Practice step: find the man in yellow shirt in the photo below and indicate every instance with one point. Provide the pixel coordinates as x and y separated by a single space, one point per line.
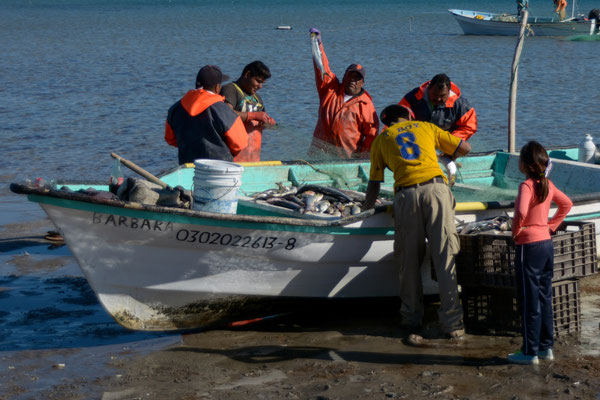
423 209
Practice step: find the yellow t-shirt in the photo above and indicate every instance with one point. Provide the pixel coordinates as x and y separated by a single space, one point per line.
409 149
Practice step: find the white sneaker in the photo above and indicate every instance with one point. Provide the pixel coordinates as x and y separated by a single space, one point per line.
520 358
547 354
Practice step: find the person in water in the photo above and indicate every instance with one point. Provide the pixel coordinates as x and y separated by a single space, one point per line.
521 5
347 123
560 6
201 125
440 102
242 96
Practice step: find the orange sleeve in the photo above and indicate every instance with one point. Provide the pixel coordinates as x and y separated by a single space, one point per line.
236 137
170 135
564 206
370 128
466 126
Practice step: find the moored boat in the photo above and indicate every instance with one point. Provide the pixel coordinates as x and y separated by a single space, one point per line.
162 268
486 23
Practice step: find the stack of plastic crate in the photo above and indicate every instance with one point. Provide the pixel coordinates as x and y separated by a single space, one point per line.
486 273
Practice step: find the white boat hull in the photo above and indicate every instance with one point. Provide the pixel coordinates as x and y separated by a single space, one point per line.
151 274
481 23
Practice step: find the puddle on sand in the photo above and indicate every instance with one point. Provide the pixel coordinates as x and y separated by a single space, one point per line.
589 338
46 303
40 370
52 328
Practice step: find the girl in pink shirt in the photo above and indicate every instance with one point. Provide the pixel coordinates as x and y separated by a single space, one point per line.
534 253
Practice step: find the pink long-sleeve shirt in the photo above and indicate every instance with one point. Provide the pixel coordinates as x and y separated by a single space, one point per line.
530 221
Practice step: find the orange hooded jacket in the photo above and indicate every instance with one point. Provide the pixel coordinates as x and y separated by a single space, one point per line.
201 125
344 129
456 116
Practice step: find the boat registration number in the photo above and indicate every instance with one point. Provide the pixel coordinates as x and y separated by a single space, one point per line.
226 239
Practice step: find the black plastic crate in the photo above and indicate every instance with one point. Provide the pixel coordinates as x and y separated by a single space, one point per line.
488 259
496 310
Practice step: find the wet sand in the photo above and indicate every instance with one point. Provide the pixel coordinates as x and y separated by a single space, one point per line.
57 342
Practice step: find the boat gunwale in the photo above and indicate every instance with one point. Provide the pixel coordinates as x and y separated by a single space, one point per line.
84 198
578 199
536 20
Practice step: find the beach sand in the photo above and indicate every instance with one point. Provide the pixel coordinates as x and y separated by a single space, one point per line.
355 352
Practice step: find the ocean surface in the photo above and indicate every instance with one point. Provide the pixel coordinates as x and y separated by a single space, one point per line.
82 78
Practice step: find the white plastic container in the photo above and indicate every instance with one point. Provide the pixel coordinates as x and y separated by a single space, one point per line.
587 150
216 186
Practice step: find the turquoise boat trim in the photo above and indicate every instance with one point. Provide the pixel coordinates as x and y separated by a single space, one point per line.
190 220
570 154
581 217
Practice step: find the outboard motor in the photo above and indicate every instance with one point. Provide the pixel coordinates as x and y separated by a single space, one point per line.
594 15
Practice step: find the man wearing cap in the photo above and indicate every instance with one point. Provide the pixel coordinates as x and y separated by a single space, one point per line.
242 96
423 208
201 125
347 122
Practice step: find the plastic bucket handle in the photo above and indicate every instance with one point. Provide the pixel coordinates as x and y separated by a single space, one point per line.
209 196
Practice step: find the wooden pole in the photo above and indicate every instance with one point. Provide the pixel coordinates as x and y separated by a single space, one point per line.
136 168
512 102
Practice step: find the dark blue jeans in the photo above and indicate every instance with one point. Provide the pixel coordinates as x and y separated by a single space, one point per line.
534 264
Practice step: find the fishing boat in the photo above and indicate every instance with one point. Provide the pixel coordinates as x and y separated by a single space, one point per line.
486 23
165 268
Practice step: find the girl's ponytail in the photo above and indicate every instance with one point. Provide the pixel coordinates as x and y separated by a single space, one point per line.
542 189
537 166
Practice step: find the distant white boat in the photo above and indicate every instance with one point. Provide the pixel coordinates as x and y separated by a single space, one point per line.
485 23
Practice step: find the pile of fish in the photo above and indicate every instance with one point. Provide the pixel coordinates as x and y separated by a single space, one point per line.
500 223
314 199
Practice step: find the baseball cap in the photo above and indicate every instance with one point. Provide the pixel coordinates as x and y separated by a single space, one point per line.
356 68
209 76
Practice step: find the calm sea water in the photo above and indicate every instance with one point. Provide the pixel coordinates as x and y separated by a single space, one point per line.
82 78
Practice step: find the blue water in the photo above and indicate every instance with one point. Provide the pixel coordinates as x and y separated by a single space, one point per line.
82 78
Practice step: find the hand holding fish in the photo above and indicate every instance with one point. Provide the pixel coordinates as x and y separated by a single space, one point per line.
261 116
316 33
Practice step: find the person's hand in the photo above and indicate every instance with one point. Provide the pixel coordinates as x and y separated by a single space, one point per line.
317 33
261 116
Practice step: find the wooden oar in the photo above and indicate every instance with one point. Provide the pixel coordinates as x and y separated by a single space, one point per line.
139 170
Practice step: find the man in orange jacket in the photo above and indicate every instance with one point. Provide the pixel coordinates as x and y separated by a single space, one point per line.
347 122
201 125
439 101
242 95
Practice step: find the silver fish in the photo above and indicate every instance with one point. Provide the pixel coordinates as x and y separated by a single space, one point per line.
326 190
316 52
284 203
282 191
311 199
322 206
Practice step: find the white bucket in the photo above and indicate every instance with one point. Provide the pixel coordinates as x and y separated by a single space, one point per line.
216 186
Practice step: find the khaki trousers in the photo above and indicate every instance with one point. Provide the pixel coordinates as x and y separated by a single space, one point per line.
427 212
